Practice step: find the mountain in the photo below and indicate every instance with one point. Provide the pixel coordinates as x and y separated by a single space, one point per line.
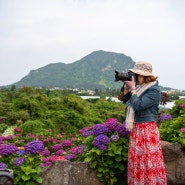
95 70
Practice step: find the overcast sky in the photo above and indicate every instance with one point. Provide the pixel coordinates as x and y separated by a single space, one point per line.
34 33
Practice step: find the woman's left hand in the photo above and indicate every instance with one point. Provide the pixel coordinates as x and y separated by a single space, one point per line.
131 84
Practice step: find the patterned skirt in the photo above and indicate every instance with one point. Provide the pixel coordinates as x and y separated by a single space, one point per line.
145 159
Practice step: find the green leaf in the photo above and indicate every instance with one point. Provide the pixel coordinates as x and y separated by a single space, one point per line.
121 167
118 158
110 153
25 177
87 159
99 174
39 180
93 164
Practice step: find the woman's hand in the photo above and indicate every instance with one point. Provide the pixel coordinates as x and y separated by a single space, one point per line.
131 84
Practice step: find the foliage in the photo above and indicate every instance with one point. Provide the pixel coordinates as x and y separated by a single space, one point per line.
107 152
172 125
26 166
56 109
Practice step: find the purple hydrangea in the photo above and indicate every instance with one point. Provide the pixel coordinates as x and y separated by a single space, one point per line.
56 147
99 129
121 129
101 142
70 156
45 152
85 129
7 149
18 161
60 152
81 148
2 138
66 143
34 147
3 165
46 162
73 149
88 133
164 117
115 137
111 124
9 137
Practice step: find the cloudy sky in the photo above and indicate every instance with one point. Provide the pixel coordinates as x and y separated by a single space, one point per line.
34 33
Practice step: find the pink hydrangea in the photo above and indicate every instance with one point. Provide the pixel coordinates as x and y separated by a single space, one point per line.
183 129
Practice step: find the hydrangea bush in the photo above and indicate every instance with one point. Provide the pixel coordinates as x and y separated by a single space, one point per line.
104 145
172 124
106 149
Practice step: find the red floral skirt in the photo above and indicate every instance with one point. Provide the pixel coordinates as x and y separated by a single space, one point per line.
145 159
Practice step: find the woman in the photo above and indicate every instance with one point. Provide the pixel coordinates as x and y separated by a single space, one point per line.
145 159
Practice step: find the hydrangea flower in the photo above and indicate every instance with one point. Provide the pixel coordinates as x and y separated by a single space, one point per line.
182 105
101 142
60 152
121 129
46 162
183 129
66 143
164 117
2 138
34 147
74 149
17 130
18 161
85 129
111 124
56 147
70 156
20 152
7 149
115 137
99 129
87 133
3 165
45 152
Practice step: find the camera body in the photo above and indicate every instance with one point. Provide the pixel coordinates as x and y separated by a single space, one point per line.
125 76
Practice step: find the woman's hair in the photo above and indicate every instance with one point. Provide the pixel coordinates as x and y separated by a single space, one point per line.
148 79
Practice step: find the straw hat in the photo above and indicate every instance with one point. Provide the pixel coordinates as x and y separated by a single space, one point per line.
142 68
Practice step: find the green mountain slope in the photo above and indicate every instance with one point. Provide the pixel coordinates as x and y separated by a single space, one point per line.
95 70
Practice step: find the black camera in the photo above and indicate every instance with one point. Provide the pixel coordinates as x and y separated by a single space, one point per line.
125 76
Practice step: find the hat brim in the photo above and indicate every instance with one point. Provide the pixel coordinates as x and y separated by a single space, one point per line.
140 72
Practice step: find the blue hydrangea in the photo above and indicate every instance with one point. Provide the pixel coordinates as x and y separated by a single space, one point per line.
101 142
88 133
70 156
18 161
34 147
7 149
121 129
99 129
164 117
3 165
20 152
